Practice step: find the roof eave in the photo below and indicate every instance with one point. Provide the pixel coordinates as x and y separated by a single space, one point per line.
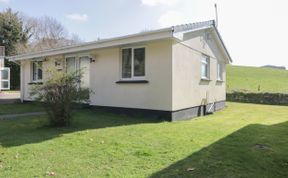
118 41
222 43
178 35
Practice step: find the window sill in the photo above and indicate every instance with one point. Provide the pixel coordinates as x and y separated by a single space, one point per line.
35 83
206 79
131 81
220 81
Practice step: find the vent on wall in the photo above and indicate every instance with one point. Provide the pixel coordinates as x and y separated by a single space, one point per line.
59 64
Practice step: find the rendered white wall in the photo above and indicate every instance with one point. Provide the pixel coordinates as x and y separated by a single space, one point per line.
105 71
155 95
188 88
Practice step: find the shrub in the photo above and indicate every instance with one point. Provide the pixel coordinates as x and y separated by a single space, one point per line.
58 94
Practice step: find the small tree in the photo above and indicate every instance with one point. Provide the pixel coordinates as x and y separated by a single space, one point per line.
12 33
46 33
58 94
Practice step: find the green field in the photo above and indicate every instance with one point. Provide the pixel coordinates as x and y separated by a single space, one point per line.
255 79
244 140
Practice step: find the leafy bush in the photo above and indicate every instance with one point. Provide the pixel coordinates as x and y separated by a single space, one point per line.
59 93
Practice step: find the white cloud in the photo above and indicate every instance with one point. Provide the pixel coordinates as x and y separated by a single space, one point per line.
77 17
171 18
159 2
5 1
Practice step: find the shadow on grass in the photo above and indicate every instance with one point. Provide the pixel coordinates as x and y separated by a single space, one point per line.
35 129
254 151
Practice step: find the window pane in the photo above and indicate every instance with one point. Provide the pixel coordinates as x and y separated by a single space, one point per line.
85 69
70 64
126 63
204 71
220 71
34 71
39 70
205 67
4 85
4 74
204 61
139 62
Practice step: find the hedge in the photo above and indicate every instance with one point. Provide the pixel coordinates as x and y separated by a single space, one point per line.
259 98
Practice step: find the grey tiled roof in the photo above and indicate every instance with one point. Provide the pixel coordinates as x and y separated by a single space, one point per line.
199 25
191 26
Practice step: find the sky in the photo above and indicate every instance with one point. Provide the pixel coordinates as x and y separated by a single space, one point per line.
254 31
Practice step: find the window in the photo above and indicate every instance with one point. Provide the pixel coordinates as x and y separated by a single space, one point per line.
84 66
205 67
126 63
220 71
71 64
133 63
37 71
4 78
139 62
75 65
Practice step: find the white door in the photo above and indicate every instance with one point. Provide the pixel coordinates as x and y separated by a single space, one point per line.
5 79
84 66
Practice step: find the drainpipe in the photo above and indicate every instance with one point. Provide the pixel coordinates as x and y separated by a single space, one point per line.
2 54
21 83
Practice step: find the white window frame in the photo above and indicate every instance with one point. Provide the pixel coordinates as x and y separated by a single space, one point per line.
220 71
78 64
76 61
83 56
32 72
132 63
205 60
5 80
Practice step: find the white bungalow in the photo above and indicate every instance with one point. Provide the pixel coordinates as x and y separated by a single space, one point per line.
175 73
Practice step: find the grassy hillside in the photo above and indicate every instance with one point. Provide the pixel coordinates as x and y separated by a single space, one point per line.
249 79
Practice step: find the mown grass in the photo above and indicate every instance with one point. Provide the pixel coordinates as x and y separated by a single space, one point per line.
256 79
101 144
19 108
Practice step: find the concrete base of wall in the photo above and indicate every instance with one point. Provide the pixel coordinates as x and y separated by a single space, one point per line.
180 115
153 114
184 114
189 113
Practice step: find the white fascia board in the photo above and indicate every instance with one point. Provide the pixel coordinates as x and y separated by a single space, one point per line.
118 41
180 35
221 44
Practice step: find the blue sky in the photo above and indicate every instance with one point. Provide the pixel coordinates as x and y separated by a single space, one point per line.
91 19
255 32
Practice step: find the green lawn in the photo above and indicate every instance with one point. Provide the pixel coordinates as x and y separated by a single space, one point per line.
101 144
249 79
20 108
